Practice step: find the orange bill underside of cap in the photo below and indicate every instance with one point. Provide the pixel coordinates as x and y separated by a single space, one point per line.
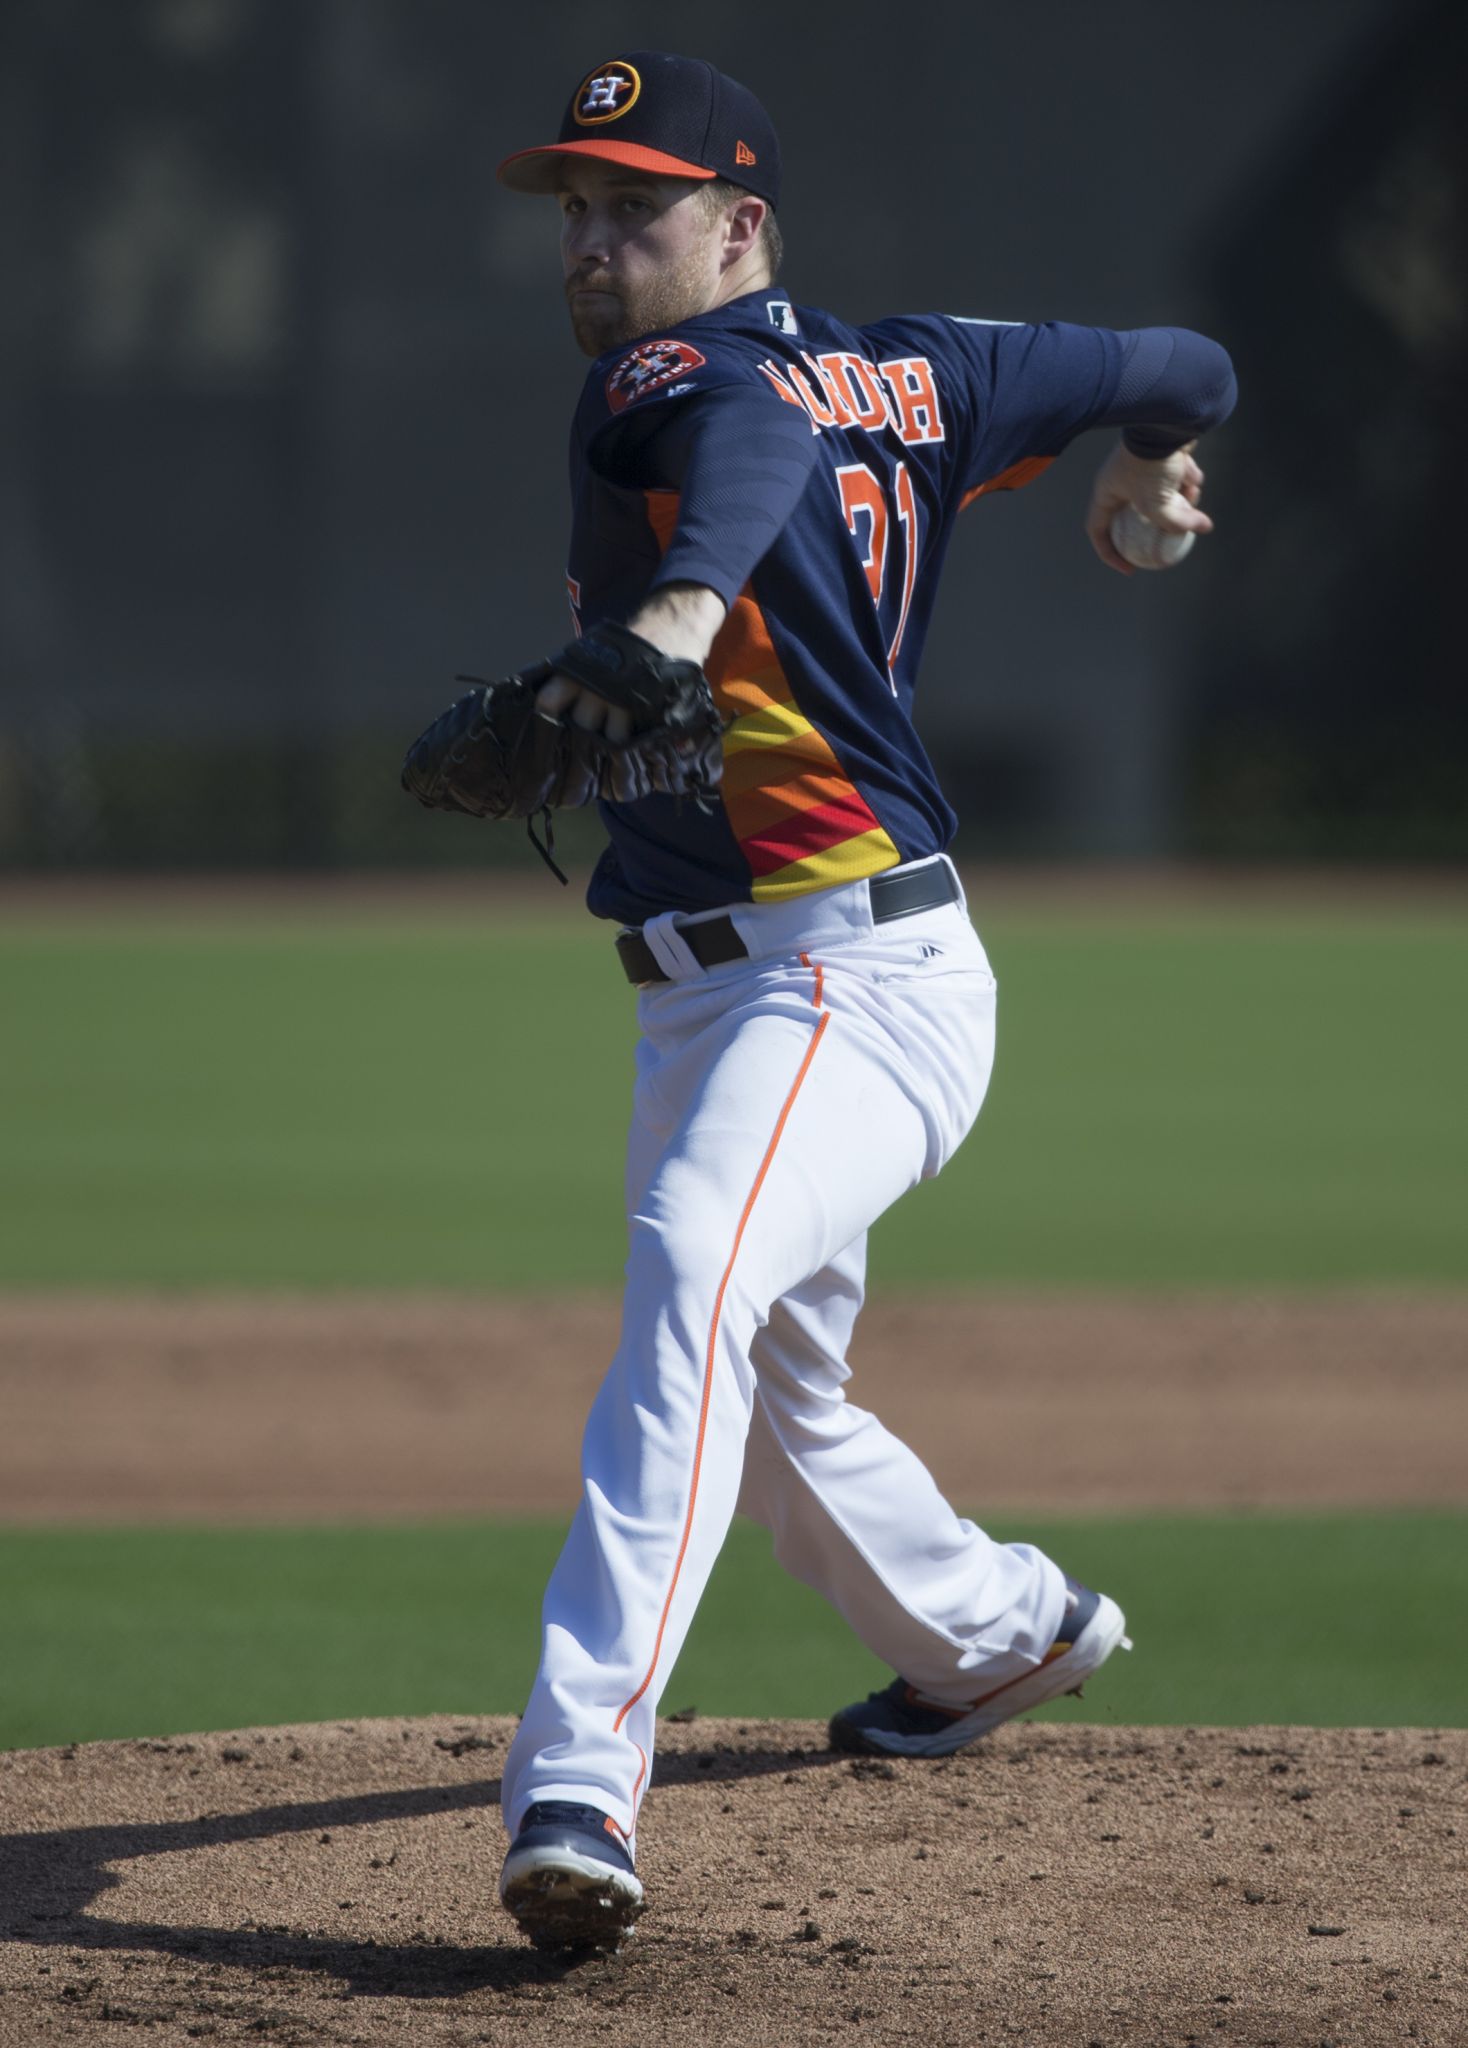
535 170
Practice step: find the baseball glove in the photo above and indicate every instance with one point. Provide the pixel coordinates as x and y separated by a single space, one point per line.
492 754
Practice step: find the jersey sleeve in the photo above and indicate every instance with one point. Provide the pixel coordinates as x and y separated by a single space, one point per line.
1024 392
720 437
1175 385
1030 390
740 461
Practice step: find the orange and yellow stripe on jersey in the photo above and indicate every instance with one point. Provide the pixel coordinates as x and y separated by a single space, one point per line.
800 821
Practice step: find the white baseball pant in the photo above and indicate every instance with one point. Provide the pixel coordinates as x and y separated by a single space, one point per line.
782 1103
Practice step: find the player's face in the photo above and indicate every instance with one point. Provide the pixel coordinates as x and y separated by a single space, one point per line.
638 252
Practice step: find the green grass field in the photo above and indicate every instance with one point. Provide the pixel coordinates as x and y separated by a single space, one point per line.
441 1102
1331 1620
411 1101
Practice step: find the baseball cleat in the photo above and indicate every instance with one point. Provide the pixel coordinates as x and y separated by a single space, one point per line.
568 1879
899 1721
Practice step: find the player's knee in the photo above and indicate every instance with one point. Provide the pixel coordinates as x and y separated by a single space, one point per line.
694 1267
674 1257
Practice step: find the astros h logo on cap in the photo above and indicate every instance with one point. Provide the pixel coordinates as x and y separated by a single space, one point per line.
606 93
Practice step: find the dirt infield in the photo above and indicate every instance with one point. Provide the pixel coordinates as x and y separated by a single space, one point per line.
1060 1886
327 1408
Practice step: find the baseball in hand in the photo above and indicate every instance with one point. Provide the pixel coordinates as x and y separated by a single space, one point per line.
1144 545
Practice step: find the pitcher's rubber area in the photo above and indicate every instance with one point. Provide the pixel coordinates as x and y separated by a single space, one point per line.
337 1884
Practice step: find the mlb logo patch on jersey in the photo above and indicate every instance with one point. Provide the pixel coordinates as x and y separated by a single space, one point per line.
647 368
607 93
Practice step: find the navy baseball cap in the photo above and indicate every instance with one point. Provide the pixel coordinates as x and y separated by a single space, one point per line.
656 112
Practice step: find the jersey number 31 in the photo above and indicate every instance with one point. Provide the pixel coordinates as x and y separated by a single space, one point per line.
869 520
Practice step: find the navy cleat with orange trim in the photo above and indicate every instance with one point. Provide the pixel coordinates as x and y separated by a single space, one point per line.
569 1879
899 1721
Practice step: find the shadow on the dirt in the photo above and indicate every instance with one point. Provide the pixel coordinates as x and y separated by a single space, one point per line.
50 1881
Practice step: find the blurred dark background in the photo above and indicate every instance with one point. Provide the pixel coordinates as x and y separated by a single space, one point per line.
285 381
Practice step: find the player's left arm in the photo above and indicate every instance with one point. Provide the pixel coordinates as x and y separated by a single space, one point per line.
739 459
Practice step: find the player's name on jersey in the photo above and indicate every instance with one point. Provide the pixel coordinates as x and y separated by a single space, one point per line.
843 389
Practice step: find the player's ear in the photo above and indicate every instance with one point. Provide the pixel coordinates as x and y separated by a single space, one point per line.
742 227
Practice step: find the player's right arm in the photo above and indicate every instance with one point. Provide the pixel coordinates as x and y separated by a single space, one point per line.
1175 385
1164 489
1030 390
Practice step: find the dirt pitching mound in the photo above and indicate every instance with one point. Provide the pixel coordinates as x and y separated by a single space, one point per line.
1058 1885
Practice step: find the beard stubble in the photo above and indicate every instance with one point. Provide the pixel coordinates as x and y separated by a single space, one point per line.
670 295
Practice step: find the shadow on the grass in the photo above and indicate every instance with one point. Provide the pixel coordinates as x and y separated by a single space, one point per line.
50 1881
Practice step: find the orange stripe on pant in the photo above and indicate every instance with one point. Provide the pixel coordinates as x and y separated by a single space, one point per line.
708 1366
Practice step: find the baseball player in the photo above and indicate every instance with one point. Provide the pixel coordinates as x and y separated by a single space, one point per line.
764 495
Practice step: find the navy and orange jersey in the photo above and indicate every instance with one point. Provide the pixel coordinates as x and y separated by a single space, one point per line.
811 473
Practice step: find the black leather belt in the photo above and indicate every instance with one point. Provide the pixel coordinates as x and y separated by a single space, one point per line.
713 942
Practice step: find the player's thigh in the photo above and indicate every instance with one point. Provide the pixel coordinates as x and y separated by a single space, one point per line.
648 1130
800 1371
799 1354
796 1131
924 987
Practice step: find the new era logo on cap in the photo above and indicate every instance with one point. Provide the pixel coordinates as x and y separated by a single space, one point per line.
743 154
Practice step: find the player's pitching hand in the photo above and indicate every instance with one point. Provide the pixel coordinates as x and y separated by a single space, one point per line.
590 712
1166 492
